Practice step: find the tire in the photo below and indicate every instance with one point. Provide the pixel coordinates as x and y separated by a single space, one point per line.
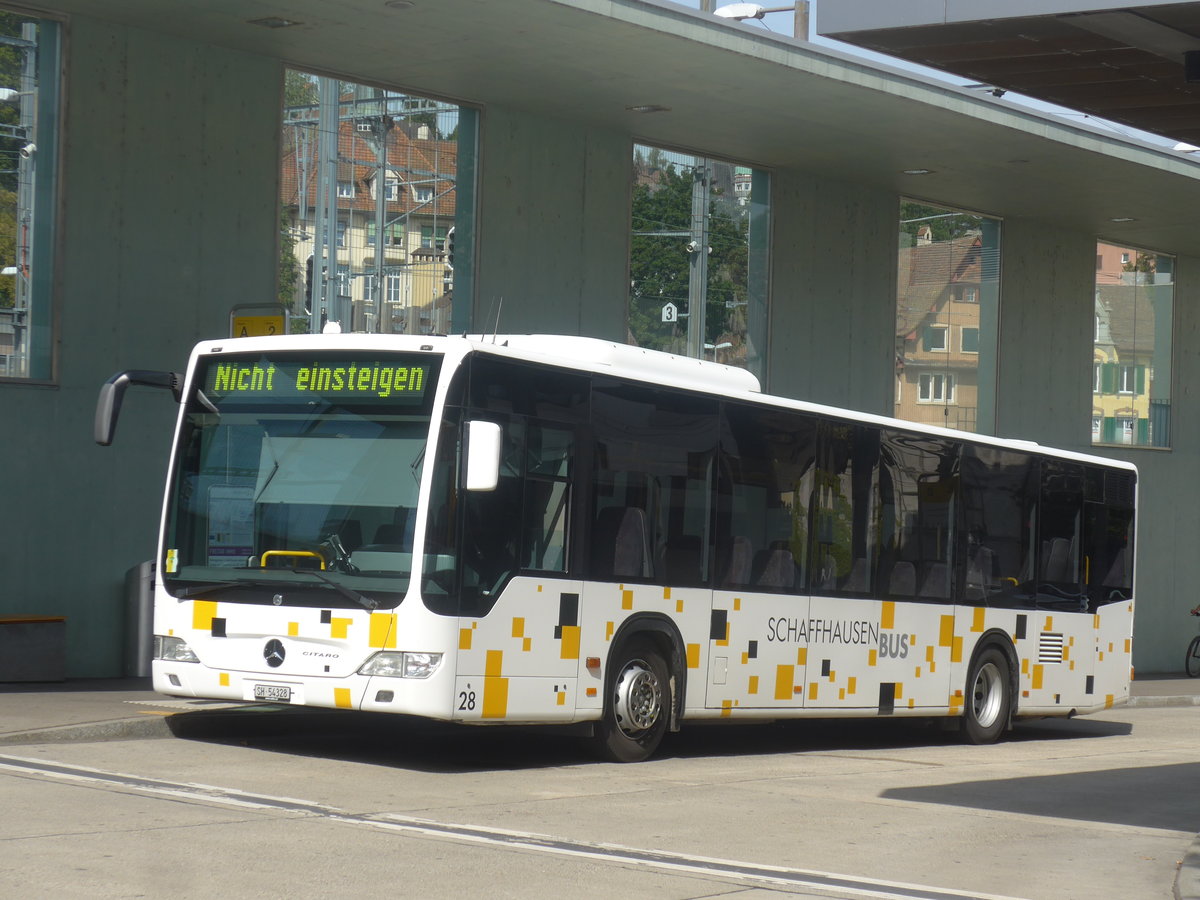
988 698
636 705
1191 663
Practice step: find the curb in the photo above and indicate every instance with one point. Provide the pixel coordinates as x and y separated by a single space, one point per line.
112 730
1187 880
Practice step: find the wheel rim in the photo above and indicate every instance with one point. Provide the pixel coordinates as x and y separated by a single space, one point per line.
638 699
987 693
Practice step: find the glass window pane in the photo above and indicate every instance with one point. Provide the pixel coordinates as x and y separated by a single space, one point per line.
846 514
654 468
359 162
1060 551
919 486
29 67
948 282
699 238
1131 388
769 466
999 514
1108 536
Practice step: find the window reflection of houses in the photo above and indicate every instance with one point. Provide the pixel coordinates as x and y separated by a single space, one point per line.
1131 356
409 289
937 329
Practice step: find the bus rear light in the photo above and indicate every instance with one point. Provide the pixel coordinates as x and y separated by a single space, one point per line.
404 664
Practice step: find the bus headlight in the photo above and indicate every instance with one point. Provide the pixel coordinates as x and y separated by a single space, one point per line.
402 664
173 649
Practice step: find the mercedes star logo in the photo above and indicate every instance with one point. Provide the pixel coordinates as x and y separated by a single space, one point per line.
274 653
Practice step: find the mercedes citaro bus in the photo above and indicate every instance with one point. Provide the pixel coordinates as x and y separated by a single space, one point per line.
546 529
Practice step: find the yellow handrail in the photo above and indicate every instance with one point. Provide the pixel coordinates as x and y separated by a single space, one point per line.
308 554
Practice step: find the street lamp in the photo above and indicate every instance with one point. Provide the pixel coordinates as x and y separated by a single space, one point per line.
743 11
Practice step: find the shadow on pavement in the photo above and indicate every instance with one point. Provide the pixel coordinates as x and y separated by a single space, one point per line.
423 745
1149 797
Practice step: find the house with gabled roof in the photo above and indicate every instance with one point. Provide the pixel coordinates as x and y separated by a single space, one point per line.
937 330
405 285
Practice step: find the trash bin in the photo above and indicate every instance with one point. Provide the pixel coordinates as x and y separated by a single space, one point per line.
139 619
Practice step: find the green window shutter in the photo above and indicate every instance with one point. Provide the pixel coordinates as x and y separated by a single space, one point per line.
1108 434
1108 381
1140 377
1143 429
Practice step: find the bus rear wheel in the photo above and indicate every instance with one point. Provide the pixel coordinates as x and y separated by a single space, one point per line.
636 705
989 697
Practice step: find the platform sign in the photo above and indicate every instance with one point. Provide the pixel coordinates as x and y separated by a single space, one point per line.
670 313
258 320
254 326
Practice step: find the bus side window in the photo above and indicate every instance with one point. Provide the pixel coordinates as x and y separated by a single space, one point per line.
999 514
847 510
920 487
768 462
1060 526
1108 536
655 454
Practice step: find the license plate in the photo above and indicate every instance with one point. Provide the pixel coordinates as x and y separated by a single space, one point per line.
276 692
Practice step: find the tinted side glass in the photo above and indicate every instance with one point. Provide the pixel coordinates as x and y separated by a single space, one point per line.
1108 536
999 503
768 472
654 468
919 479
846 510
504 386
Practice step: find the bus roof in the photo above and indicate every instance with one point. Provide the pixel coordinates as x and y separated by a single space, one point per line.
598 355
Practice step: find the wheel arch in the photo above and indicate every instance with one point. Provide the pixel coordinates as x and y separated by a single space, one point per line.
666 637
1001 640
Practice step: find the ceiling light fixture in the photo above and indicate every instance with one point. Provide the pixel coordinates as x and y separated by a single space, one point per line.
399 4
1122 219
648 108
917 172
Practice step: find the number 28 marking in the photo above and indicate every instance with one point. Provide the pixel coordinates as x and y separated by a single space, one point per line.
466 700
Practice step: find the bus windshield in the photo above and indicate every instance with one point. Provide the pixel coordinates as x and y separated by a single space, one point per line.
296 478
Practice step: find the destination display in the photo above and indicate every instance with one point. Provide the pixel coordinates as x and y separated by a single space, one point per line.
395 380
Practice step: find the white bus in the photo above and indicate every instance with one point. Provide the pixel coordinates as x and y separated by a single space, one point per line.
544 529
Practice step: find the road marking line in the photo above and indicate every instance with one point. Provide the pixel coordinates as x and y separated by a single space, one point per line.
682 863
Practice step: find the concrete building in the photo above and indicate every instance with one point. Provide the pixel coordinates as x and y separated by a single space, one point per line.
155 208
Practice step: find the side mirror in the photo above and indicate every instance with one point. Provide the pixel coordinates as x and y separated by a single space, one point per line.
112 392
484 441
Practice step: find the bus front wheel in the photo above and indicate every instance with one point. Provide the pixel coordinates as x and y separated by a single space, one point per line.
636 705
988 702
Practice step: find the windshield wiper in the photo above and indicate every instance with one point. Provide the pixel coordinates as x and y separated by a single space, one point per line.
361 599
198 589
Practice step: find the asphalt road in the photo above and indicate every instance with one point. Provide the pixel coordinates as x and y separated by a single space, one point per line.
340 806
